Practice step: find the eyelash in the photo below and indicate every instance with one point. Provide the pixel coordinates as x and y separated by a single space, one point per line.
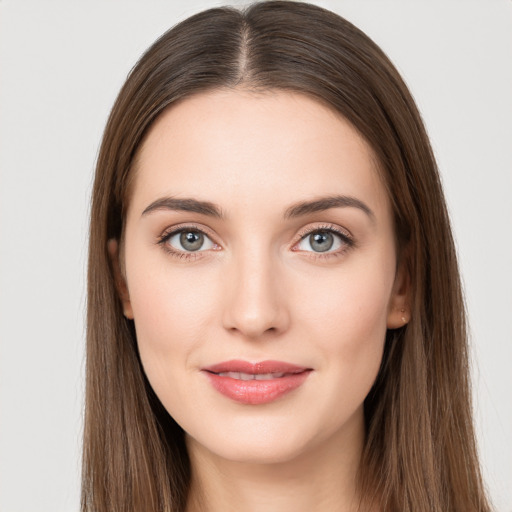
345 238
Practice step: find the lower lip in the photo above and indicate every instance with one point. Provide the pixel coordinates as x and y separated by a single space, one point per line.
255 392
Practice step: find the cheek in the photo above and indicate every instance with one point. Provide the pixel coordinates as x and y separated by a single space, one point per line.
168 307
173 312
347 319
349 304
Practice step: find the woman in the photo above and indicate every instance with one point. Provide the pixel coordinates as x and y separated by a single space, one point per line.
270 323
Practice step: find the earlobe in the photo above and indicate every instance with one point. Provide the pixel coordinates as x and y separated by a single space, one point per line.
398 317
399 313
122 289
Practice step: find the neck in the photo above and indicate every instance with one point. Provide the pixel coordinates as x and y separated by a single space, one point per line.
321 478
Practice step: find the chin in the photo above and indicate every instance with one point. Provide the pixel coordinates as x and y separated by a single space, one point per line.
258 443
257 451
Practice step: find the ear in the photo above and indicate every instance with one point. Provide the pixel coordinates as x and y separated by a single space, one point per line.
399 312
122 289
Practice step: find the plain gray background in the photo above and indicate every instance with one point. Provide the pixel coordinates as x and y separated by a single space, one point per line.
61 66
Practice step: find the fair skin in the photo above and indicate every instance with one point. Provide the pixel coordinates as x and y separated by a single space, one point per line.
254 284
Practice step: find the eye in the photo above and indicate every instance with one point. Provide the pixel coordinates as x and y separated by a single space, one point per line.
189 240
324 241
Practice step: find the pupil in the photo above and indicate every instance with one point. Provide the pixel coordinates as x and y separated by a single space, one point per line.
191 240
321 241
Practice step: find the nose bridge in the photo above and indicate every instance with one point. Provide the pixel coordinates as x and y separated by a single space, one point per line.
255 302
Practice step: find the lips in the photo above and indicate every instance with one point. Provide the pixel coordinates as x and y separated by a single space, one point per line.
255 383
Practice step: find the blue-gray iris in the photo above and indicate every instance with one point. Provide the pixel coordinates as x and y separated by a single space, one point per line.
321 241
191 240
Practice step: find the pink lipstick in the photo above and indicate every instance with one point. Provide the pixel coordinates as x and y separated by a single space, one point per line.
257 383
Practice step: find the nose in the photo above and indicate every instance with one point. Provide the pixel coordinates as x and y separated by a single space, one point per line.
254 298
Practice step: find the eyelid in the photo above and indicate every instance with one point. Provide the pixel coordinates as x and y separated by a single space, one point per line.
310 228
183 226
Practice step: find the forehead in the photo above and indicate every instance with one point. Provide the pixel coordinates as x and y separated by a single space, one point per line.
239 147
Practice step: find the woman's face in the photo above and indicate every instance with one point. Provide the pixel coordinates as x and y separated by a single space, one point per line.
259 241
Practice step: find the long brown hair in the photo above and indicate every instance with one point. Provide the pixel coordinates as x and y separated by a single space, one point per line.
420 451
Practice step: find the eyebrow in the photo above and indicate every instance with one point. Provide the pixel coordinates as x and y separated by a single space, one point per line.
295 210
186 205
326 203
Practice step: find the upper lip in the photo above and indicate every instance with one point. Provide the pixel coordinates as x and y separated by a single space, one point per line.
255 368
